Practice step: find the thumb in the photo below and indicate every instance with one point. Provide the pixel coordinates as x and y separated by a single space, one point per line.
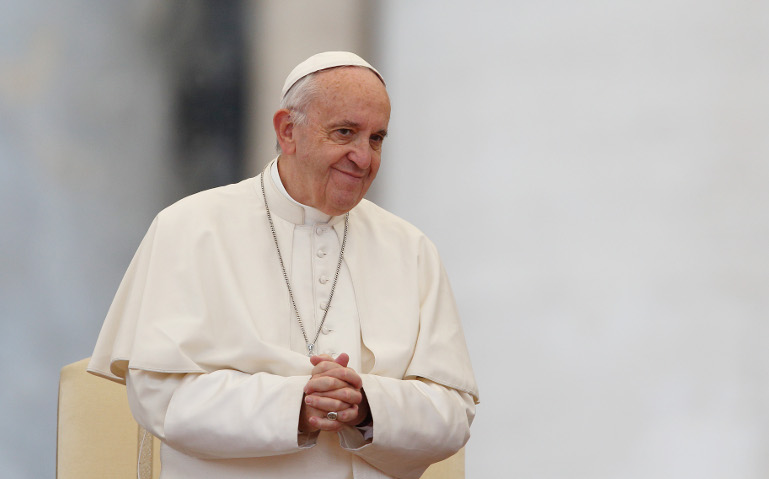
342 359
315 360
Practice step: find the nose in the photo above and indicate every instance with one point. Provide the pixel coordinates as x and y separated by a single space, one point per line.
361 154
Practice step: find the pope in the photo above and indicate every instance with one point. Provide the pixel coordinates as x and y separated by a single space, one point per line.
285 326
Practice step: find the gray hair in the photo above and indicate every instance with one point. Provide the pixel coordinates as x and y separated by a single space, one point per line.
297 101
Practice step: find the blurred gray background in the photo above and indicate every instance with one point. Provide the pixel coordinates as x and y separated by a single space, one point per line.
595 175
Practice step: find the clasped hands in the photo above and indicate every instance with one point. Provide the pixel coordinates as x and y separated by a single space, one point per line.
332 387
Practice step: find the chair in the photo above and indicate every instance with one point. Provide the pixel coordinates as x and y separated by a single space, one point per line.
98 438
449 468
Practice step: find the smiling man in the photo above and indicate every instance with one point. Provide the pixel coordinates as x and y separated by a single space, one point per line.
286 327
332 154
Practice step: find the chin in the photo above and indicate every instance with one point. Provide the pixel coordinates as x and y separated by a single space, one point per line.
339 210
345 200
343 207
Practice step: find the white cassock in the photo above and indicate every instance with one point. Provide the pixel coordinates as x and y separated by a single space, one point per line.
215 360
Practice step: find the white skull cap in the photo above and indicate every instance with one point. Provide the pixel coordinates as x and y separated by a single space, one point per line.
324 61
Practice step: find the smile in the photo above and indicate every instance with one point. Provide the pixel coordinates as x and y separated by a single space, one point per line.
357 176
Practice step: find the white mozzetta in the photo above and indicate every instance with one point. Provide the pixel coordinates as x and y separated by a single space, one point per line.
204 297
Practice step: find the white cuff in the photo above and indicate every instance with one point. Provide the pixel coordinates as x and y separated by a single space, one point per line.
354 438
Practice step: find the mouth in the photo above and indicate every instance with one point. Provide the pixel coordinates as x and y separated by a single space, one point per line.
352 174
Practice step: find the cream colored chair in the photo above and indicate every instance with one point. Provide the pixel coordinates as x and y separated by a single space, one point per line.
451 468
98 438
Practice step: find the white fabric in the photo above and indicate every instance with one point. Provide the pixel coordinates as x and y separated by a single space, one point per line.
349 324
205 411
323 61
196 415
204 296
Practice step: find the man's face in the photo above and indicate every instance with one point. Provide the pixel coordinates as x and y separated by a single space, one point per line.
338 149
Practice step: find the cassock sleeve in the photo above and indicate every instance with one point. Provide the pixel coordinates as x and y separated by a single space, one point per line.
416 423
220 415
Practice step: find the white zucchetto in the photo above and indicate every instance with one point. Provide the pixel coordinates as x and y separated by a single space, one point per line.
323 61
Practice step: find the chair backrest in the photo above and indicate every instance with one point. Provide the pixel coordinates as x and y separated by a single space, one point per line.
97 437
450 468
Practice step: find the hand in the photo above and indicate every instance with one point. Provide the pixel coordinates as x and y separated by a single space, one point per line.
333 387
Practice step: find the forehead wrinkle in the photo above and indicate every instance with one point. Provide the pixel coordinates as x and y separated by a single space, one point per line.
344 93
350 123
339 83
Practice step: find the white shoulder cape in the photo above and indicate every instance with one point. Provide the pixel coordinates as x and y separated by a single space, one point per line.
204 292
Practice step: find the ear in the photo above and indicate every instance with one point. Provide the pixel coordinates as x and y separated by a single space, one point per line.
284 131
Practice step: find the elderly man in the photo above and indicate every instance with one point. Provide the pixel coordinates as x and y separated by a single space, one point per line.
286 327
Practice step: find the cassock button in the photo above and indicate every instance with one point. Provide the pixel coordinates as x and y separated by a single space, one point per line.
323 279
320 230
326 330
321 253
324 305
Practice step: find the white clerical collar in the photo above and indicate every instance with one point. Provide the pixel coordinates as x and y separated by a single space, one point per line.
311 215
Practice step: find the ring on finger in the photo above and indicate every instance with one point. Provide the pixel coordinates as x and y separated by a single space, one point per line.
333 415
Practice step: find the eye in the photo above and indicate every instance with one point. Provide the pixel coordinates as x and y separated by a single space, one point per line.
344 131
376 141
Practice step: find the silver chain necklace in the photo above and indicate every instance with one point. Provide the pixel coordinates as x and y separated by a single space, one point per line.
310 345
